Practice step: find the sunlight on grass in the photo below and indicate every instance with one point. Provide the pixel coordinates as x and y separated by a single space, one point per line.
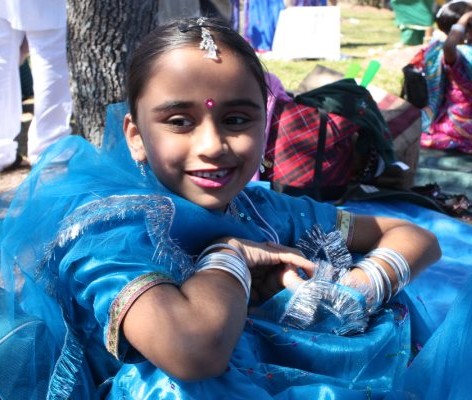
363 32
366 33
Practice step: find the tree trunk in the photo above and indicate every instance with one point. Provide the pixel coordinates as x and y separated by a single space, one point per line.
101 37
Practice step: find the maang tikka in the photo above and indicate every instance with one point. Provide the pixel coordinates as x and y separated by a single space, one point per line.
207 42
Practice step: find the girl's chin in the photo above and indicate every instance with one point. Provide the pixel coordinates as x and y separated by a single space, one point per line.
211 198
210 202
214 206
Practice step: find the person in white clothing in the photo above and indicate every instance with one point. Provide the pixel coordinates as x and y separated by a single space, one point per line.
43 24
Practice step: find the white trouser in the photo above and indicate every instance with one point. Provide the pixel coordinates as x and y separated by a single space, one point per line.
52 98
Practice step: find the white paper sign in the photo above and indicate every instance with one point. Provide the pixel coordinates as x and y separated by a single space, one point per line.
308 32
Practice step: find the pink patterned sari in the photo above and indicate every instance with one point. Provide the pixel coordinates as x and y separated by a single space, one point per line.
447 120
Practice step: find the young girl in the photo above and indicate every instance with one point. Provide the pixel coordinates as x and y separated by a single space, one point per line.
447 120
152 267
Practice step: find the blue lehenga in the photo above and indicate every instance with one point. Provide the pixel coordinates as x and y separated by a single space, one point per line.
87 233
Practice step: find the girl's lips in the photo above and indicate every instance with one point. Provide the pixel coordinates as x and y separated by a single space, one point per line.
211 179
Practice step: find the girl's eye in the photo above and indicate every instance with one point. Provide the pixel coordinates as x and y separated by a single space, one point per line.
236 120
179 122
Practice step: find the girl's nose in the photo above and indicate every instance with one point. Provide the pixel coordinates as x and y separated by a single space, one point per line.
210 142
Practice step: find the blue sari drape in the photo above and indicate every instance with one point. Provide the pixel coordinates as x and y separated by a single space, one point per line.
86 224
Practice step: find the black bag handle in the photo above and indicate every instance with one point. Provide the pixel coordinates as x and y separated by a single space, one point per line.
320 148
315 190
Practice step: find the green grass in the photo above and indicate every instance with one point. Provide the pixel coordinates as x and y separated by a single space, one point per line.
365 33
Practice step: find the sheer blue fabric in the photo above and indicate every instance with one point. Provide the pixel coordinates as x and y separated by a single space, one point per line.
86 225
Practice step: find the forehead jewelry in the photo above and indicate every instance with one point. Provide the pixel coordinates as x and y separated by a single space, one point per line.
207 42
210 103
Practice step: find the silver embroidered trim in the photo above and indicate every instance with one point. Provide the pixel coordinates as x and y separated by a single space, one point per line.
326 306
330 247
64 377
321 303
159 214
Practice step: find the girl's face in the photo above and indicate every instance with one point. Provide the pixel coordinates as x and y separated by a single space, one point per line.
200 125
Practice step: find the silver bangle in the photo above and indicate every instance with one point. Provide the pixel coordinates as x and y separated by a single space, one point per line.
387 284
397 262
458 28
233 264
217 246
377 281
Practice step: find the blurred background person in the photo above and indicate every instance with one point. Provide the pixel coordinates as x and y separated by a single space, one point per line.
414 18
447 64
43 25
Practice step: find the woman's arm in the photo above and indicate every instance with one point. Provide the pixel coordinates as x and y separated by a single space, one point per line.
455 37
191 331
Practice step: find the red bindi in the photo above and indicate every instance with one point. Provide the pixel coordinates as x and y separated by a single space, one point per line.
210 103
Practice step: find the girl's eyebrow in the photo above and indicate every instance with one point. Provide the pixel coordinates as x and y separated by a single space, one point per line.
243 102
173 105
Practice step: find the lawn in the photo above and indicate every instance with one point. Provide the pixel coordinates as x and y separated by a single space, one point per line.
367 33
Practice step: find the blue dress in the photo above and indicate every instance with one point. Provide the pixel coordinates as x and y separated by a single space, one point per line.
90 236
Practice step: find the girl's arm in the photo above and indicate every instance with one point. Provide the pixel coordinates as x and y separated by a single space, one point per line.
455 37
418 246
191 331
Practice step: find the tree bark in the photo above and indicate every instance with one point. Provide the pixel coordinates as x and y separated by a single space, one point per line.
101 37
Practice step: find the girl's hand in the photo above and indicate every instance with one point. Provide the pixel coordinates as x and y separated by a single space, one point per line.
273 266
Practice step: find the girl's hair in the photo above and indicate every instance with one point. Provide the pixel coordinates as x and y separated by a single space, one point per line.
450 13
179 34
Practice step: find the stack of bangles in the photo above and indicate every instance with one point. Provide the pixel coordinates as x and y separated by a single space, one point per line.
234 264
378 277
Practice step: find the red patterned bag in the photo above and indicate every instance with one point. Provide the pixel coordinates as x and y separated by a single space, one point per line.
297 160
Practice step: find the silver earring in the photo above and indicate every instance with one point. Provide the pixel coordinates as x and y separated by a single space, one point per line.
264 164
142 169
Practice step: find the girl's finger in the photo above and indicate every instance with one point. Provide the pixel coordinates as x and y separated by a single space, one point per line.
290 279
297 261
291 256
